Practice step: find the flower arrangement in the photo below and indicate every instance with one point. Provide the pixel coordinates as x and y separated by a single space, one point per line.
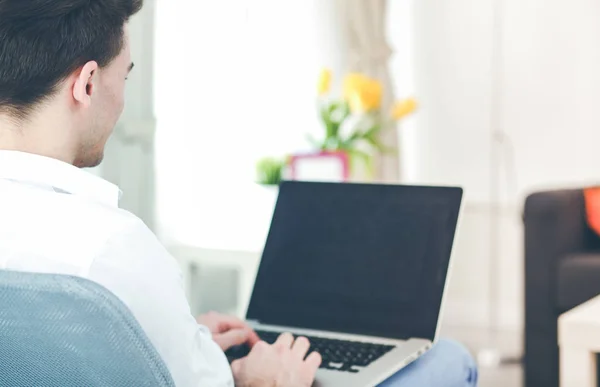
353 124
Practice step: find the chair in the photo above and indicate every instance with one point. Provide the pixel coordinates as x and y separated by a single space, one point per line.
562 271
63 331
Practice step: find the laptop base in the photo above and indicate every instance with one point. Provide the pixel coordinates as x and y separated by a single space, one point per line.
335 374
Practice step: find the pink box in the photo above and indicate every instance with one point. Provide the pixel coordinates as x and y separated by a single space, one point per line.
322 166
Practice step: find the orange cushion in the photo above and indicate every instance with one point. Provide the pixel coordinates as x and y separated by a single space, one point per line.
592 207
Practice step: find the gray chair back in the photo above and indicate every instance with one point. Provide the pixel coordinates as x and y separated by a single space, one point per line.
65 331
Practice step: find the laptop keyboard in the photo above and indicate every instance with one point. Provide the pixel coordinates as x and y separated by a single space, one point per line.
338 355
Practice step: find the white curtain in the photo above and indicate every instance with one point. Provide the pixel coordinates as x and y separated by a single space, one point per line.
129 156
354 39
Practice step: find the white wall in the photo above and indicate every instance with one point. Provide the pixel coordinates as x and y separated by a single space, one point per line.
551 92
451 60
550 110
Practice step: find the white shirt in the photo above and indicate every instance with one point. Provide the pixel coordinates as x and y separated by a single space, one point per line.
56 218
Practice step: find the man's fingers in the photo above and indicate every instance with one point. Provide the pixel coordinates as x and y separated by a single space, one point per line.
226 323
236 365
260 347
300 347
313 362
253 338
284 341
231 338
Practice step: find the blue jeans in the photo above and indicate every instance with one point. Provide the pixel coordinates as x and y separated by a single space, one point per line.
448 364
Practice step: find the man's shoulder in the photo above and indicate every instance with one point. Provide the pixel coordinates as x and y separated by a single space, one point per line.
117 220
123 230
95 225
131 245
102 217
65 233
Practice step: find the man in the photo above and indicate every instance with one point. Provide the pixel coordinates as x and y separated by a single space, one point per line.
63 67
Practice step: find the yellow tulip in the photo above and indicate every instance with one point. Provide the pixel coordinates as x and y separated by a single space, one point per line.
362 93
366 99
324 81
352 83
403 108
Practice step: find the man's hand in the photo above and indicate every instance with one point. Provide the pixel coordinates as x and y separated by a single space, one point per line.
279 365
228 331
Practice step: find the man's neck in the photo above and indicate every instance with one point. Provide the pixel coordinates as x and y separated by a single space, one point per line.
37 135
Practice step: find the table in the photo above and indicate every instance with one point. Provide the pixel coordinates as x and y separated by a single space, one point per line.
193 258
579 342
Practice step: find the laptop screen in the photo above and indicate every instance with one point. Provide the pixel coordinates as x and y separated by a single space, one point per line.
357 258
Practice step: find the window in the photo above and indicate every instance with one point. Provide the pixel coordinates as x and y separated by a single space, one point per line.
234 81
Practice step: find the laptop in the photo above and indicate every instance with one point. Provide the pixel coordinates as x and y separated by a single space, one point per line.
358 269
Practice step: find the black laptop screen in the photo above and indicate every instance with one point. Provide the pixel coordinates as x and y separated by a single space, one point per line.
357 258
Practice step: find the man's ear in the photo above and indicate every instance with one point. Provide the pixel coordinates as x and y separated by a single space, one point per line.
85 83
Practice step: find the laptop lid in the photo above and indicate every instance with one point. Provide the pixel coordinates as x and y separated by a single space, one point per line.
364 259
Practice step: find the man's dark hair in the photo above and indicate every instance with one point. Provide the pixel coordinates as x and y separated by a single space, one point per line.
44 41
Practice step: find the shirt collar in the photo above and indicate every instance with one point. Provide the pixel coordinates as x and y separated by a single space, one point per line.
58 175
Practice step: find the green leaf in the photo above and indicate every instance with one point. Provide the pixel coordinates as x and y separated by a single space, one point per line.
313 142
325 116
337 112
381 147
334 143
371 137
335 129
333 114
373 142
356 136
357 155
345 108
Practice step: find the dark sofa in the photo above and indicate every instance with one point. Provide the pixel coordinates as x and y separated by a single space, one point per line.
562 270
